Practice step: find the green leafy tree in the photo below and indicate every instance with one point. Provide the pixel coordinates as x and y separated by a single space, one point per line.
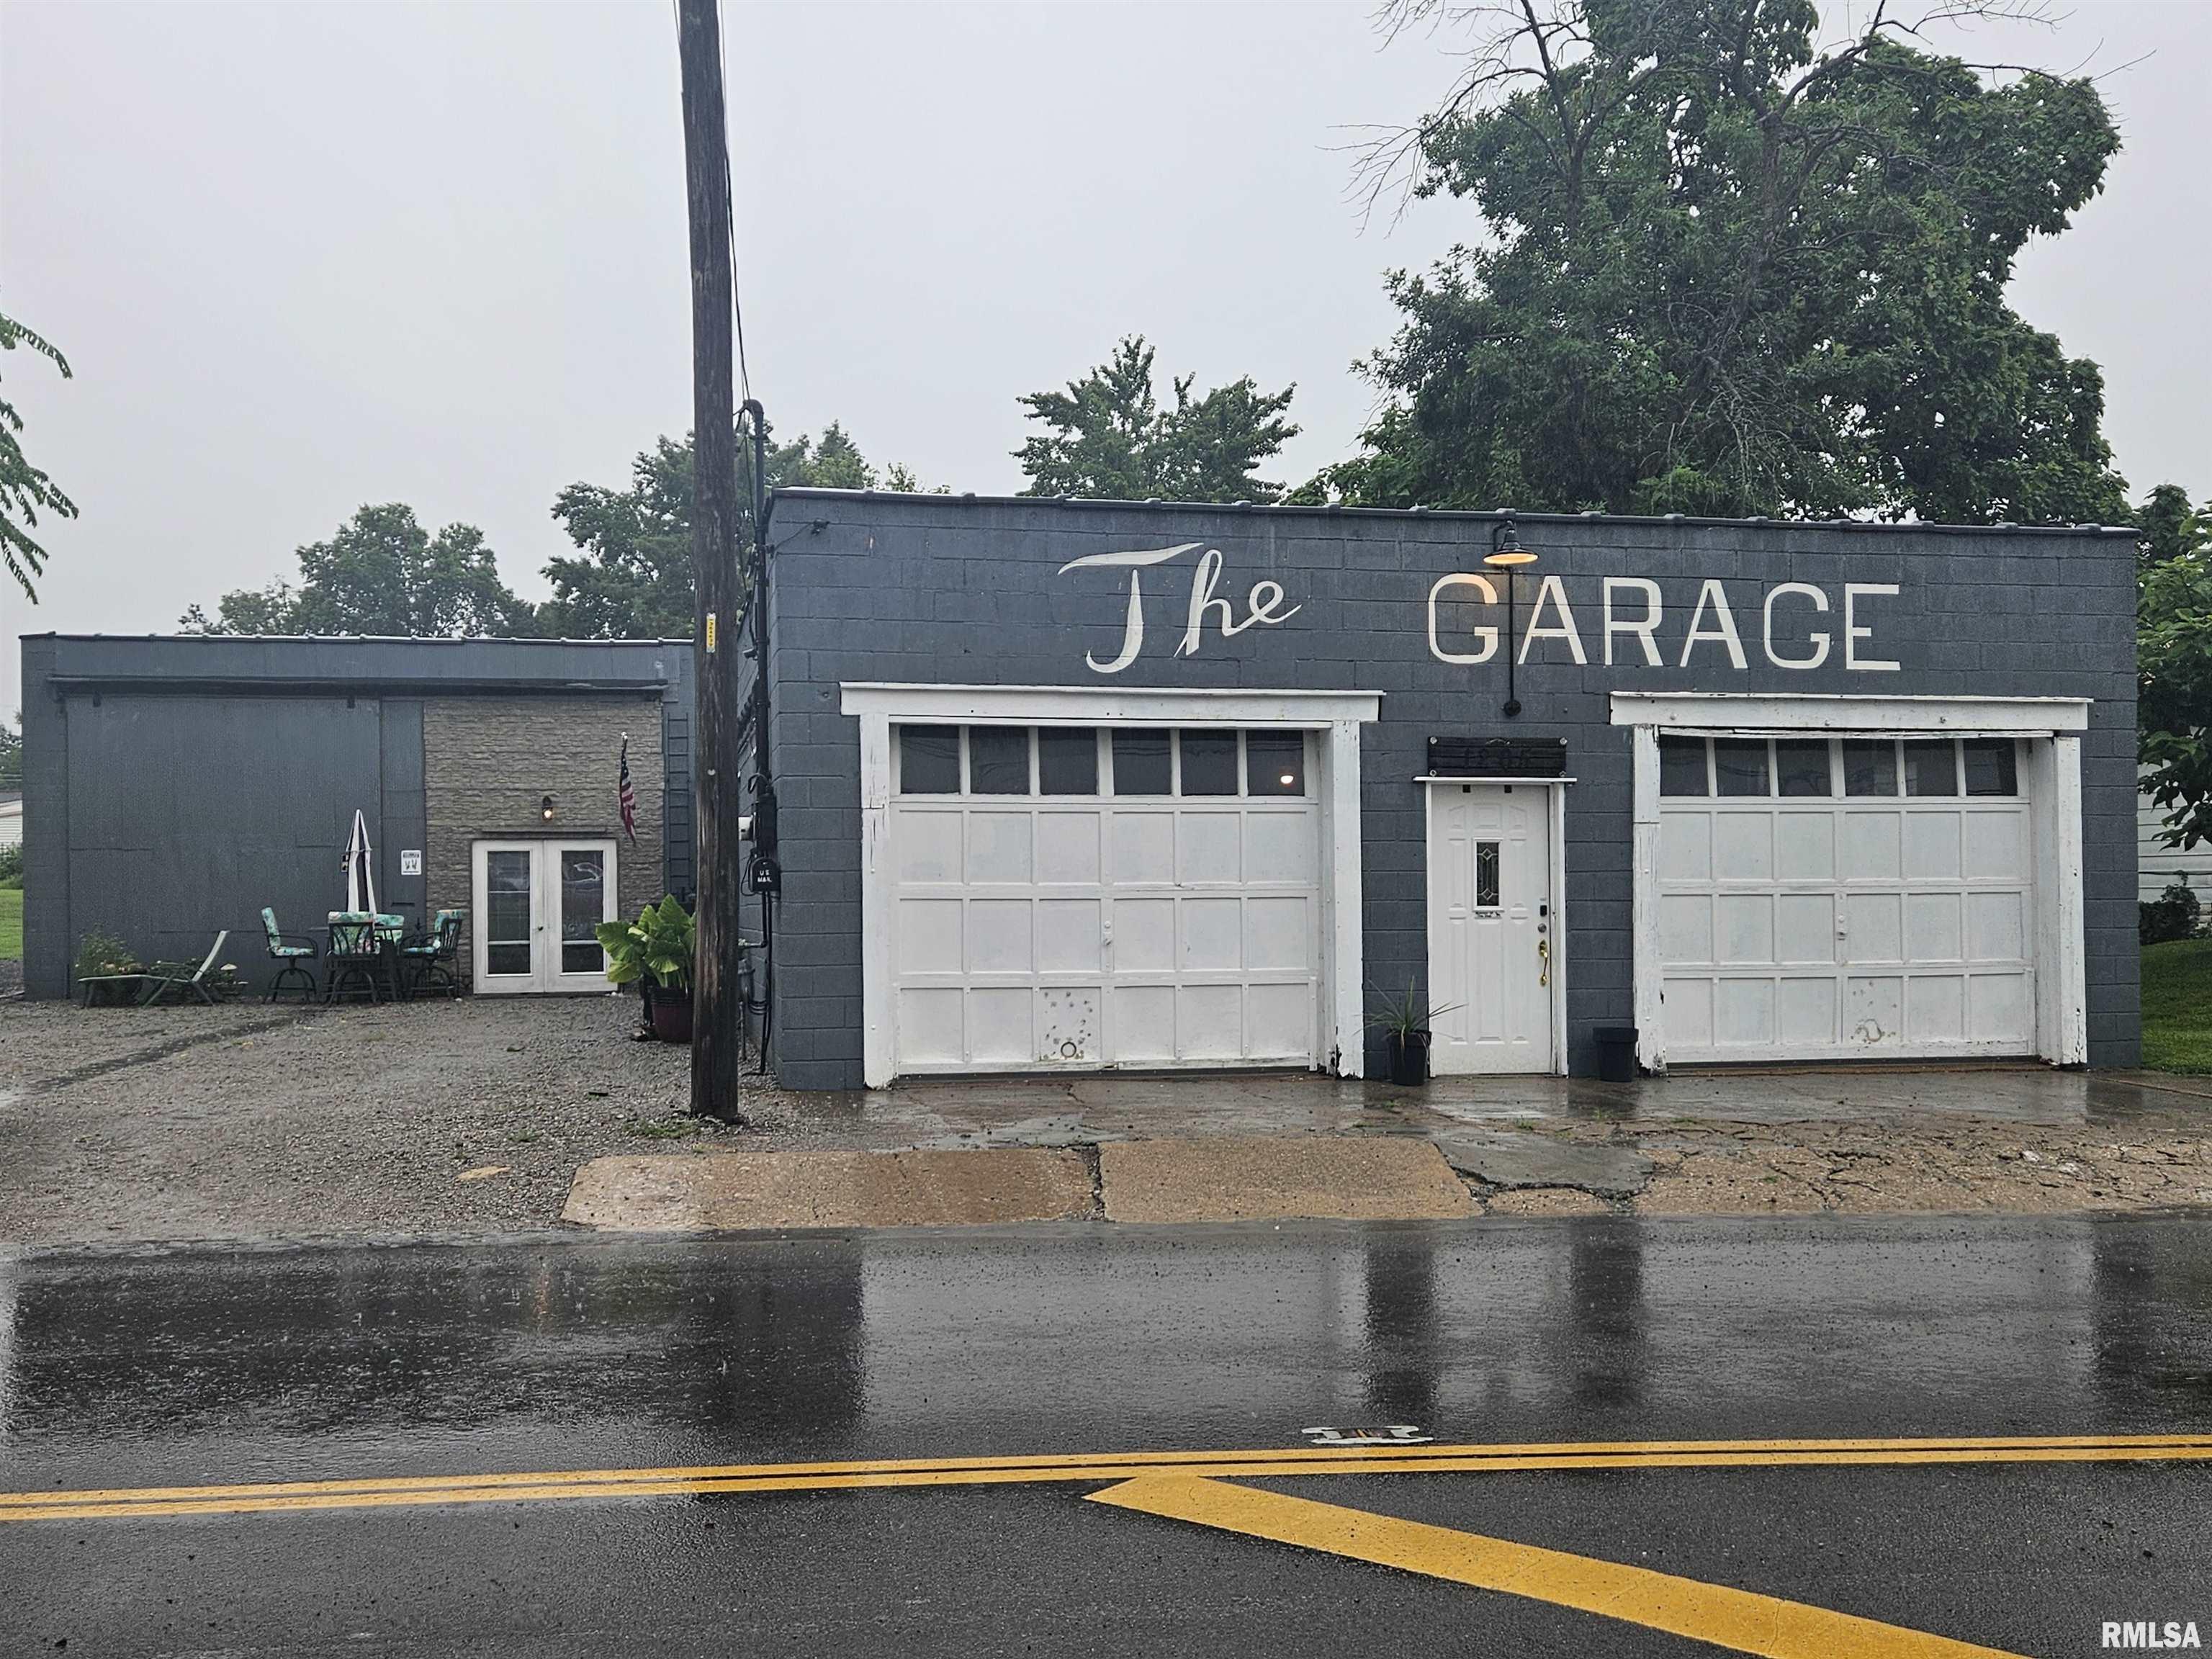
381 574
25 490
632 577
11 754
1107 436
2173 657
2171 526
1728 269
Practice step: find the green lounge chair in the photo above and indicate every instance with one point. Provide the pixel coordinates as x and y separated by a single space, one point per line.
164 977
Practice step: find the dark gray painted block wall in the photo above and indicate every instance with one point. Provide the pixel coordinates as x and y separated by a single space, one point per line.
175 785
952 589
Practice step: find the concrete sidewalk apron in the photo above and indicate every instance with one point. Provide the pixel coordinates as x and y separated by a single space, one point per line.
744 1191
1225 1179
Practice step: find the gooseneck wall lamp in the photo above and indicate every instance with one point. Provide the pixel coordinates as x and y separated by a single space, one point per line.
1507 555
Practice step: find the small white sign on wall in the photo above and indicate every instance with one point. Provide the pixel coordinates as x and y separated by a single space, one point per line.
410 861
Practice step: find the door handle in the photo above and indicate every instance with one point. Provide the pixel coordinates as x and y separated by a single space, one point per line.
1544 955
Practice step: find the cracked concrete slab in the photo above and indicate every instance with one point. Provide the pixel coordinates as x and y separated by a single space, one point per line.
735 1192
1504 1158
1278 1178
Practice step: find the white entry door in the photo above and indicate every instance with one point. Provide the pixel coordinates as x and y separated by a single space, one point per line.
537 903
1490 928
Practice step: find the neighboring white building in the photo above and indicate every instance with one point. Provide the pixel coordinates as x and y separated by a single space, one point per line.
2156 863
11 820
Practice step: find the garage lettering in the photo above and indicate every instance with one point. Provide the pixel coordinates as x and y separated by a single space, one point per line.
1790 628
1632 610
1264 604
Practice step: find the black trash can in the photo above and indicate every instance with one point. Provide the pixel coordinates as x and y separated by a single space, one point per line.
1616 1053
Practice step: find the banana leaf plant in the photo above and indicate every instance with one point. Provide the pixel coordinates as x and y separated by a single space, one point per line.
659 942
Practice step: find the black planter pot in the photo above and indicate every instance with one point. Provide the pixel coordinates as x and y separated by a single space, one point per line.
1409 1058
669 1011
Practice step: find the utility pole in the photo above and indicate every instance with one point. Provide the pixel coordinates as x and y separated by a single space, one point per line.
718 642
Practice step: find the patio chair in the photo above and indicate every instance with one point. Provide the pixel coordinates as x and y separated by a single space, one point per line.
427 961
355 958
291 953
163 977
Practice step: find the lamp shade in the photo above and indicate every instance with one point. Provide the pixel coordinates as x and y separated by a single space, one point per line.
1507 551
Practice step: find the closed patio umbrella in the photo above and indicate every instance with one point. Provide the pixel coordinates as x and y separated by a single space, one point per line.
361 879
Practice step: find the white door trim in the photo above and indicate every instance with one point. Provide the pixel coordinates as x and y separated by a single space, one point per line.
1335 716
1756 711
1085 705
1556 876
2054 772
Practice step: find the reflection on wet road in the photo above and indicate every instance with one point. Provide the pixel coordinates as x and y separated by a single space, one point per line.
484 1356
447 1360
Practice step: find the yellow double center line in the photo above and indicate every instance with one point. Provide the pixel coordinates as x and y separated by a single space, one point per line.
395 1492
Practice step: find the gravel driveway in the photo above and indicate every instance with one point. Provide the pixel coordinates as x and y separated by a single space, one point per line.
245 1120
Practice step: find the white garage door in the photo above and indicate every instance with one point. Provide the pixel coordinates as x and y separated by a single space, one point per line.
1087 896
1826 897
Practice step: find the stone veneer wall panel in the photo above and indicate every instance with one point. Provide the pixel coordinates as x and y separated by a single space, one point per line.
488 762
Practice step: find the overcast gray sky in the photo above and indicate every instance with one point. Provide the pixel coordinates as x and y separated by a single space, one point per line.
304 256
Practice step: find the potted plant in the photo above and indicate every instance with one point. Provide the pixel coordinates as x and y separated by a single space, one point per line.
657 948
1405 1022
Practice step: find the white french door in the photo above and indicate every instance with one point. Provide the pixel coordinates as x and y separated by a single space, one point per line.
536 906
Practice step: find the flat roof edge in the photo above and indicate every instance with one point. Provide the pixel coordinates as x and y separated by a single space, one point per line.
1489 515
343 638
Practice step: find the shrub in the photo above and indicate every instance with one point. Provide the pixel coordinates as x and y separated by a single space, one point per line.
2172 914
103 953
11 865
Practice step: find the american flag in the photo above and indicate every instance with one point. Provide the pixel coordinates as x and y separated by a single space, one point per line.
626 792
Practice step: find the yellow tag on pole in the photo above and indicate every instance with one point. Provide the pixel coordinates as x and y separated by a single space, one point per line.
710 633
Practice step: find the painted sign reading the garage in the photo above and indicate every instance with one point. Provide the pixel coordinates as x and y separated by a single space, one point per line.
1798 624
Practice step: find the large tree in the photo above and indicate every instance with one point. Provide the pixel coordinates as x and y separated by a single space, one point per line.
11 753
1727 269
2171 526
2174 660
1108 436
632 579
25 490
382 574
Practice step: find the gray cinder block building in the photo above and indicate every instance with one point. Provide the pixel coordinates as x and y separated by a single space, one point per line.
184 783
1072 785
1075 786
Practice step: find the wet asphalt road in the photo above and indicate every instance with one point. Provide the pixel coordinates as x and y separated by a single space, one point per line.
561 1354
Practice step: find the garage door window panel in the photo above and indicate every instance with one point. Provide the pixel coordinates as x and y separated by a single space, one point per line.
1803 768
1931 769
1685 767
1870 768
1740 767
1068 760
1142 762
1275 762
1992 766
929 760
999 760
1208 762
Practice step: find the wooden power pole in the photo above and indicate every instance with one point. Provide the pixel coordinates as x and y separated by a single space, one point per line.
718 637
